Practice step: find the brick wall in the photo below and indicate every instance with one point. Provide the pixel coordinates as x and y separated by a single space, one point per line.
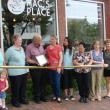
61 19
107 17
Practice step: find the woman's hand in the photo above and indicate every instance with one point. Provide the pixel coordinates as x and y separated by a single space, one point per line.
97 62
80 64
59 70
3 90
105 65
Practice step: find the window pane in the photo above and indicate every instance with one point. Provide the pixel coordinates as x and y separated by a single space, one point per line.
32 19
85 20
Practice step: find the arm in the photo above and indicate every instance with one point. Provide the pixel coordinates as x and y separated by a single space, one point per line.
75 60
29 60
97 62
60 61
7 86
28 57
7 56
61 58
90 62
90 59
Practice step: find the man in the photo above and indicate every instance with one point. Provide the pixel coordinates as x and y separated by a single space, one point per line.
38 75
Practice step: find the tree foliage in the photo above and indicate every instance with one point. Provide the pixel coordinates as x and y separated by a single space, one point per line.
81 29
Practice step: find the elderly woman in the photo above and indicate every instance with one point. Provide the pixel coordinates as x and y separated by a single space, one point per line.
82 58
15 56
34 50
96 73
54 55
107 70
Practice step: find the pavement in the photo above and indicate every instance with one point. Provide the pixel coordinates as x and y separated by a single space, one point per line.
66 105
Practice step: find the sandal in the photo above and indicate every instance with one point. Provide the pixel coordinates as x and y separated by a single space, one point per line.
107 97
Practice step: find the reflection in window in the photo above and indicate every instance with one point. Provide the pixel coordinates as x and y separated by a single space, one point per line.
84 20
28 25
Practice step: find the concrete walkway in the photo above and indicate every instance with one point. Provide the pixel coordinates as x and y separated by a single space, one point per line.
70 105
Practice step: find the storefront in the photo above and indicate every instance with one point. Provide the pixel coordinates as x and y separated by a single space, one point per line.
85 20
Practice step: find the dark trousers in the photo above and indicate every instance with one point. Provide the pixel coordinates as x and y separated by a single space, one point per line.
55 78
18 87
68 78
39 83
83 84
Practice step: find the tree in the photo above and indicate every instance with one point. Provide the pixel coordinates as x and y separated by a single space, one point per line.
81 29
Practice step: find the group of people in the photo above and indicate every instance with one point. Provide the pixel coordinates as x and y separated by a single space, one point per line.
75 63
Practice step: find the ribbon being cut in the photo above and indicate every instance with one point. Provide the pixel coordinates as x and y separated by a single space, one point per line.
44 67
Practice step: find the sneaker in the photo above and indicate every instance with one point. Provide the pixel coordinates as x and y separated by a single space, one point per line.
16 104
44 99
81 100
24 102
66 98
54 99
5 108
99 99
37 101
72 98
93 99
0 108
85 100
59 100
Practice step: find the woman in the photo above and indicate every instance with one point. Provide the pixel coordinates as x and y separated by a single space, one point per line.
34 50
15 56
68 72
96 73
54 55
82 58
107 70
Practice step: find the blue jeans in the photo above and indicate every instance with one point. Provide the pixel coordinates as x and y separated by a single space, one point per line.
55 81
2 95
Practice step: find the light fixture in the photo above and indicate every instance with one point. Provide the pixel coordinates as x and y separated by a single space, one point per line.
14 19
3 19
33 19
5 26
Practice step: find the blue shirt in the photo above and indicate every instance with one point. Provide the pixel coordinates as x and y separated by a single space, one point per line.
1 60
68 59
15 57
98 57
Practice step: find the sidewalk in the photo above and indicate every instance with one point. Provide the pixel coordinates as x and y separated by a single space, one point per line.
70 105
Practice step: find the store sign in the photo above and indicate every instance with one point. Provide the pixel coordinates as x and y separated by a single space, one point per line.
33 7
16 6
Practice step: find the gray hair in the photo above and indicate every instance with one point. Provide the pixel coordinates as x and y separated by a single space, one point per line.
37 36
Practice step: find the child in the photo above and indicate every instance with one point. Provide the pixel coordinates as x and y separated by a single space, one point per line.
3 87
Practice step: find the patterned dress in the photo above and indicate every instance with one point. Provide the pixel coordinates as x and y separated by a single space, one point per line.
83 58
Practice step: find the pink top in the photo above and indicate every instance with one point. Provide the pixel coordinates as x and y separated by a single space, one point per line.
2 84
32 51
53 55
